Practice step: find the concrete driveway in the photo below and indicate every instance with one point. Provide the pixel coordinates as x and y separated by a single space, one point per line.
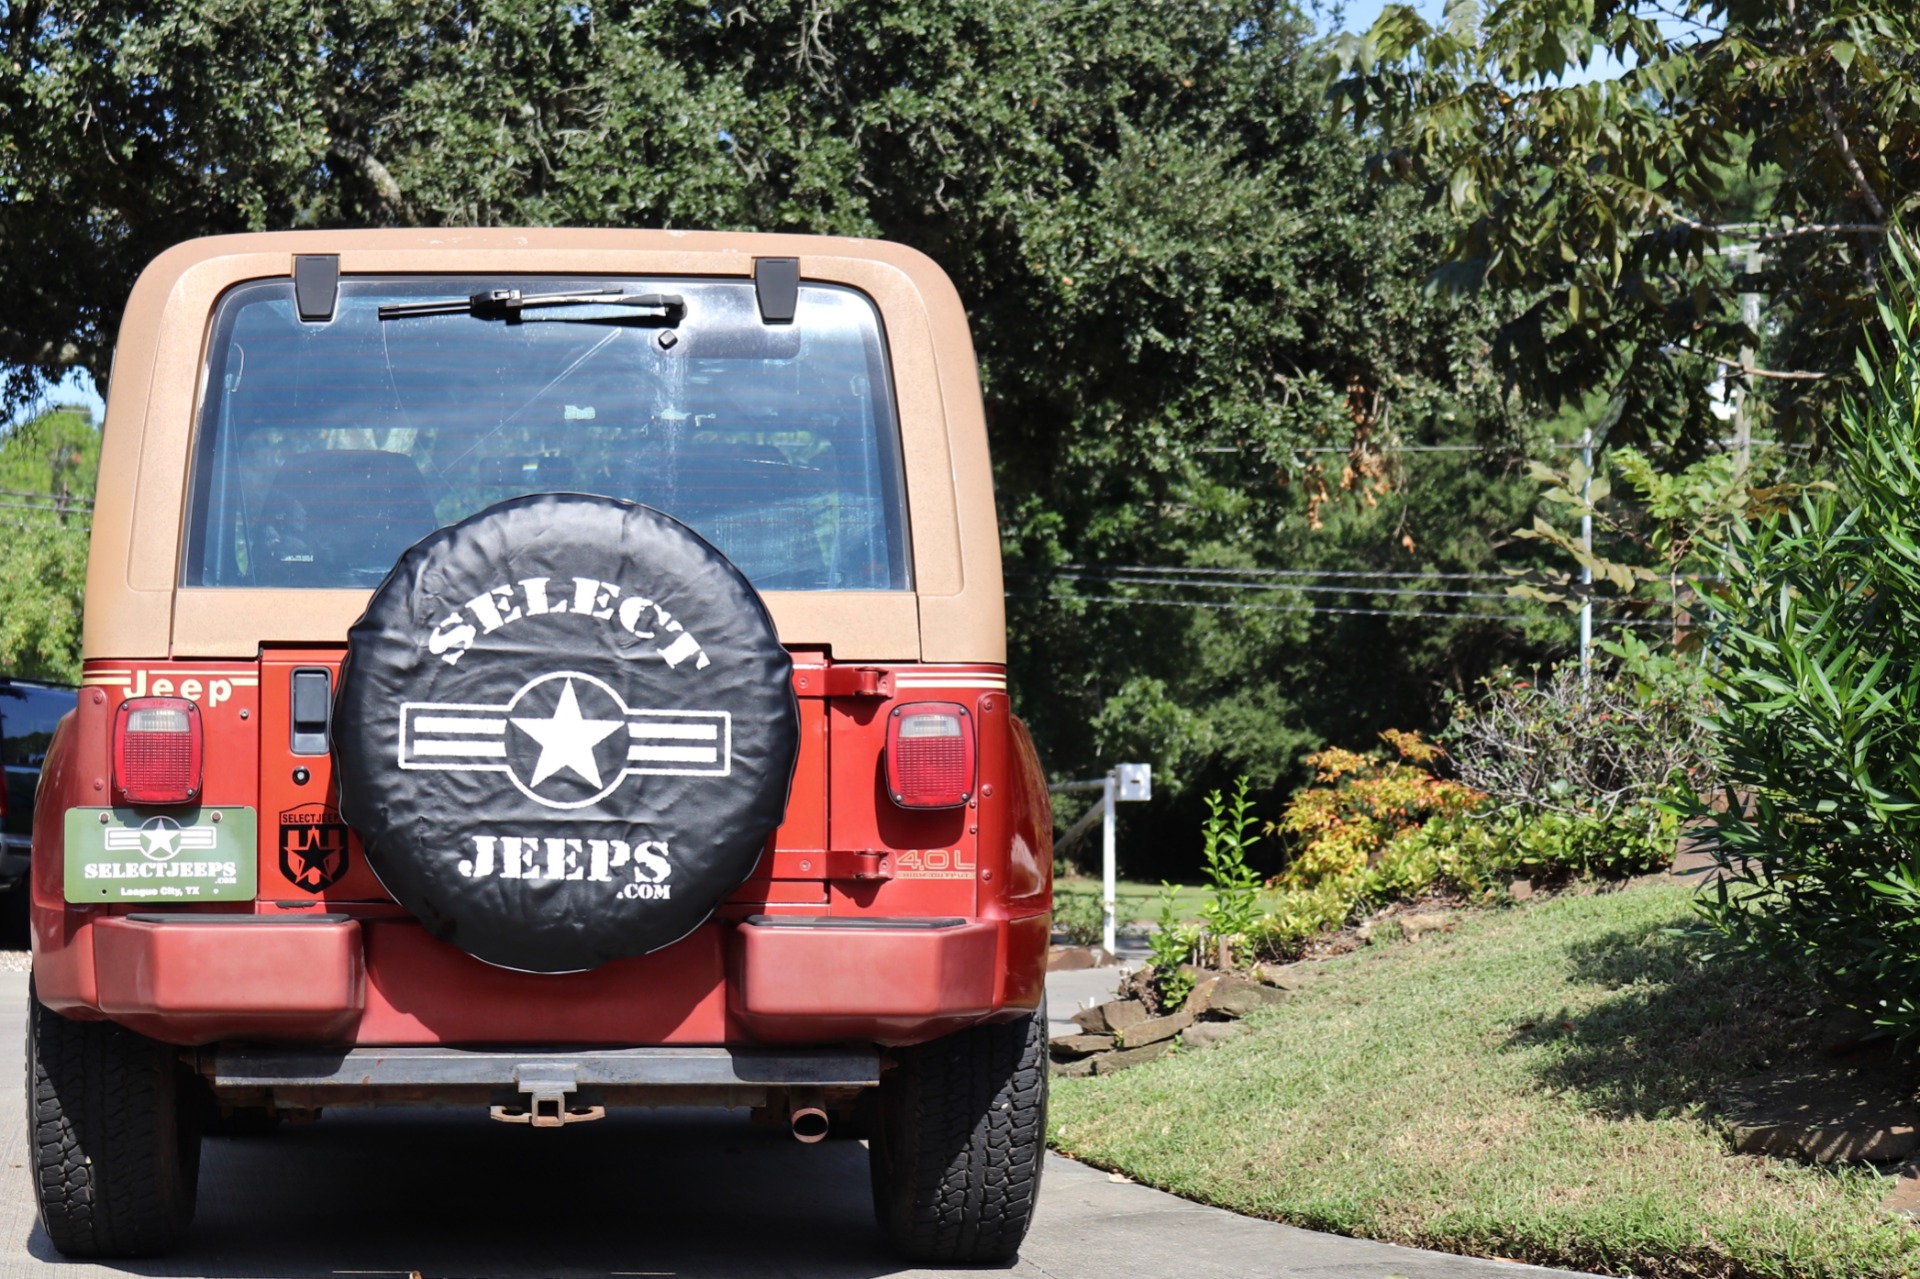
374 1195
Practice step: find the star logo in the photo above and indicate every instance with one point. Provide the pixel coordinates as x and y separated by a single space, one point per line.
160 839
567 740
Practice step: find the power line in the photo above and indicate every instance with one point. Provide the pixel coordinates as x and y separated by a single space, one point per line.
39 510
54 528
1141 579
46 497
1308 608
1288 586
1259 572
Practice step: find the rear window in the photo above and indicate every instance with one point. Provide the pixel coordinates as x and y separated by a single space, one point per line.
325 450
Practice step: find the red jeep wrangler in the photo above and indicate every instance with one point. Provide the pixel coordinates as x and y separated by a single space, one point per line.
543 671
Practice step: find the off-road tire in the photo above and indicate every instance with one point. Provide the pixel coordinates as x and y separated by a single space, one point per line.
116 1137
956 1152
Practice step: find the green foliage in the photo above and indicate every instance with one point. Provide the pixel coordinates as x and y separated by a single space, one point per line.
1662 529
1818 819
1233 887
1170 947
1603 746
47 468
1078 916
1370 833
1606 209
1178 279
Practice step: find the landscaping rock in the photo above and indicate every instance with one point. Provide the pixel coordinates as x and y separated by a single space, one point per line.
1417 926
1156 1029
1075 1069
1107 1063
1204 1033
1068 959
1122 1015
1068 1047
1904 1198
1283 976
1203 987
1825 1114
1236 997
1091 1020
1520 890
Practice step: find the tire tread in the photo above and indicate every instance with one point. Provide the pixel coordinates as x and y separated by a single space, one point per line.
960 1144
115 1149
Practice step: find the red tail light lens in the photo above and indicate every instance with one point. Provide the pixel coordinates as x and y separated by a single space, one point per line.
930 755
156 751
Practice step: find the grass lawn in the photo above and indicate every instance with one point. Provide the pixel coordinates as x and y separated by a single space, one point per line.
1536 1085
1137 901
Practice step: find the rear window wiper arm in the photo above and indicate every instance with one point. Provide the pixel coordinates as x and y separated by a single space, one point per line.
507 304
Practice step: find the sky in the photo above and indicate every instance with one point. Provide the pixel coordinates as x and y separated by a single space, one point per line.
1360 14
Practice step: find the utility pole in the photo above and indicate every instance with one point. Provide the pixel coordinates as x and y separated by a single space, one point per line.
1586 567
1749 360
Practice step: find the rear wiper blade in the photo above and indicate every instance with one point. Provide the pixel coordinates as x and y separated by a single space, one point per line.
507 304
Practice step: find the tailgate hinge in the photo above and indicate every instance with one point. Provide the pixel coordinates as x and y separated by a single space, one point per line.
859 681
863 863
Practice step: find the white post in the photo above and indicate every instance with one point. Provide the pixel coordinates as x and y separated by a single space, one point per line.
1749 357
1109 886
1586 570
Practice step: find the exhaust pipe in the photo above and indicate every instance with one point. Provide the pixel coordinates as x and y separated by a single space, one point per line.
807 1119
808 1124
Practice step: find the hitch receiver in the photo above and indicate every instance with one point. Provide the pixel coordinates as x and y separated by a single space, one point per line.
547 1086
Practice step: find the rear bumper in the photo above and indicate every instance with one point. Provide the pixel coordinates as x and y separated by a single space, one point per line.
232 976
324 979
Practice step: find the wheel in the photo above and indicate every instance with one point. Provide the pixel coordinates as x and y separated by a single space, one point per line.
116 1137
599 773
956 1154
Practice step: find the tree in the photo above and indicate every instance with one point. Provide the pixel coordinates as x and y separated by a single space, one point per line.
1769 147
47 468
1818 819
1180 284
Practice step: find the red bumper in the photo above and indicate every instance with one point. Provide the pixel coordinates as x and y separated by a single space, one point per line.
336 980
230 977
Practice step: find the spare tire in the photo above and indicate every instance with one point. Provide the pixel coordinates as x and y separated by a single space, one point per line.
564 731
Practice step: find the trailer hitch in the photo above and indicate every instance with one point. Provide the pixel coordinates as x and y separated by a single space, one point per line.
548 1086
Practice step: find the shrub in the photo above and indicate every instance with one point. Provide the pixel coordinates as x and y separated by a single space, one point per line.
1593 748
1078 916
1171 944
1818 819
1357 804
1356 840
1233 887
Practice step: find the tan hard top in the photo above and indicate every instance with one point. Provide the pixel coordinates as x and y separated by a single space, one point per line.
136 609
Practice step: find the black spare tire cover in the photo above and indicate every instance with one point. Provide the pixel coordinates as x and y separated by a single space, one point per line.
564 731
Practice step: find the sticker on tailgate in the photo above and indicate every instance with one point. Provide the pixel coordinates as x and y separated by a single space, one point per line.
134 855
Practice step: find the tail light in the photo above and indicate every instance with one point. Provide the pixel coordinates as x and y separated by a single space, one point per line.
930 755
156 751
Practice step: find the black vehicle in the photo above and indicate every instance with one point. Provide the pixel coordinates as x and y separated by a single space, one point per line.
29 712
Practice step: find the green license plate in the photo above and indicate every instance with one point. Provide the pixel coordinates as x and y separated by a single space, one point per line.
134 855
